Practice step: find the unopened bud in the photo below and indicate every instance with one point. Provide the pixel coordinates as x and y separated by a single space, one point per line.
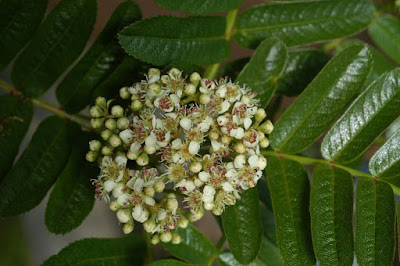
106 150
101 101
91 156
96 122
123 215
111 124
261 135
165 79
149 225
260 115
143 159
117 111
174 72
240 148
226 139
213 135
149 191
159 186
209 206
128 228
217 211
176 238
166 237
96 111
195 167
264 143
131 155
172 204
124 93
195 78
115 141
106 134
190 89
114 206
198 182
183 223
155 88
136 105
197 216
122 123
94 145
150 149
267 127
204 98
155 239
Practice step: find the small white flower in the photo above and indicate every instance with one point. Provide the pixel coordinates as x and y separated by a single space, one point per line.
151 141
247 122
109 185
222 120
239 133
126 135
209 190
121 160
176 144
194 147
117 191
138 185
253 161
178 158
221 91
123 199
135 147
190 186
240 161
227 187
161 214
137 212
123 215
216 145
185 123
204 176
262 163
224 107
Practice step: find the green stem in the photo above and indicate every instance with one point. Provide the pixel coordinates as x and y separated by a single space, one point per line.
212 71
313 162
79 119
221 241
149 248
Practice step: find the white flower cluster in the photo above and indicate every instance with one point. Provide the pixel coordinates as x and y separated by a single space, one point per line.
199 137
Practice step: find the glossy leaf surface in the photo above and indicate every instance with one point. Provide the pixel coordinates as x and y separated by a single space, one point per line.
290 193
385 31
243 227
370 114
57 43
264 68
164 39
19 20
101 251
72 197
168 262
15 118
300 23
194 247
27 183
331 209
375 223
324 99
102 58
200 7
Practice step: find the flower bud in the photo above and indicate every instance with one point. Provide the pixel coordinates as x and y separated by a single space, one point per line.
124 93
264 143
204 98
183 223
122 123
240 161
165 79
106 134
155 239
195 78
172 204
166 237
94 145
136 105
153 75
149 225
195 167
150 149
171 196
213 135
96 111
198 182
115 141
117 111
267 127
174 72
106 150
131 155
190 89
155 88
240 148
101 101
260 115
209 206
149 191
114 206
159 186
226 139
96 122
197 216
111 124
128 228
123 215
217 211
204 176
176 238
91 156
143 159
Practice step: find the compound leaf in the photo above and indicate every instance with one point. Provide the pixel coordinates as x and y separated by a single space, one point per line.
200 7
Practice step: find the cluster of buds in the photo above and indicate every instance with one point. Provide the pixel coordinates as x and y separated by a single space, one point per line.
172 135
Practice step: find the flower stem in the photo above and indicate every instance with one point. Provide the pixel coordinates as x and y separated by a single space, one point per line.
212 70
149 248
79 119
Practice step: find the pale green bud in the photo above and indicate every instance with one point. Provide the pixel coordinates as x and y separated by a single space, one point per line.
128 228
131 156
209 206
213 135
204 98
226 139
195 167
96 122
149 225
149 191
165 79
91 156
106 134
143 159
264 143
124 93
135 97
154 71
96 111
190 89
136 105
111 124
155 239
183 223
260 115
197 216
175 72
217 211
172 204
122 123
159 186
101 101
171 196
150 150
115 141
240 148
155 88
114 206
176 238
106 150
166 237
94 145
267 127
195 78
117 111
124 215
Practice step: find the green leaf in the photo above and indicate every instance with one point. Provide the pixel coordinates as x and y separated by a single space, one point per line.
331 209
268 222
322 101
263 192
15 118
72 198
37 169
370 114
264 68
381 63
226 258
194 247
375 223
302 22
200 7
243 227
290 192
101 251
56 44
385 31
301 68
233 68
161 40
19 20
269 254
102 58
125 74
168 263
386 161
